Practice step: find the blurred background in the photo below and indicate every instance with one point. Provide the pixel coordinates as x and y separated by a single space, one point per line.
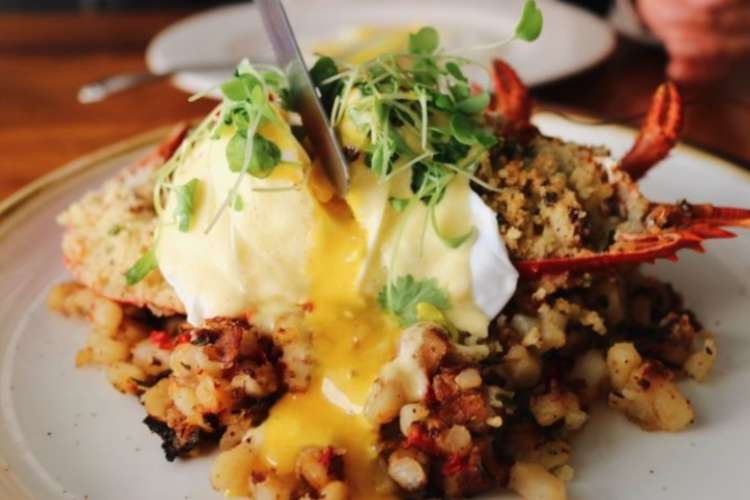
600 58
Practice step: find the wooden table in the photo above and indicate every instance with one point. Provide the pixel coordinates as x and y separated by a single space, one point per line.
45 58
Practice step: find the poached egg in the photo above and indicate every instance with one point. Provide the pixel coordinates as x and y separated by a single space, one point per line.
292 256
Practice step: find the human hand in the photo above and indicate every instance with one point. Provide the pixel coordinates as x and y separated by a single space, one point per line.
705 38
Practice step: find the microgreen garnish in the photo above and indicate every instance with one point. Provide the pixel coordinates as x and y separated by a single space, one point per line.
528 29
265 155
402 297
323 70
238 204
530 25
398 204
141 268
246 107
185 201
419 113
424 41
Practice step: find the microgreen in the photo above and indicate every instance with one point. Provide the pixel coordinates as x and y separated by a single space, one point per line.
238 204
530 25
398 204
141 268
402 296
528 29
323 70
424 41
185 202
418 111
264 157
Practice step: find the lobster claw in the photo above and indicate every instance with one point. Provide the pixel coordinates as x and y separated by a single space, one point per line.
687 226
511 98
659 132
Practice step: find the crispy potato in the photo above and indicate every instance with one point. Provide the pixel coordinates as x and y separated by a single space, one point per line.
534 482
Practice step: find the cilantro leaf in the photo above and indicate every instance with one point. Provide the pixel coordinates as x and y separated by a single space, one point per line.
402 297
185 203
265 155
141 268
530 25
424 41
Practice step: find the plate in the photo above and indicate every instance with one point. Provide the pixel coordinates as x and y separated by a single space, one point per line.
572 39
66 434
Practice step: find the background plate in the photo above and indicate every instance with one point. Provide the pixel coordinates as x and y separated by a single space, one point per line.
66 434
572 39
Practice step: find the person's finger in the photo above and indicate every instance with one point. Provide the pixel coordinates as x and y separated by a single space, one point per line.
713 4
696 44
671 14
698 71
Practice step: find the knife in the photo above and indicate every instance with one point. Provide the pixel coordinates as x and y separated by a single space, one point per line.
303 95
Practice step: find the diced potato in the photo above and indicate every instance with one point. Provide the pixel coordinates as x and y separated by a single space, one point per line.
622 360
411 413
105 316
58 298
149 358
455 441
700 363
522 367
125 377
550 455
651 398
553 325
156 400
554 406
105 350
336 490
407 469
534 482
591 369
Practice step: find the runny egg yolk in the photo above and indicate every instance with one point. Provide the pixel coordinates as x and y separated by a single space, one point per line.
352 339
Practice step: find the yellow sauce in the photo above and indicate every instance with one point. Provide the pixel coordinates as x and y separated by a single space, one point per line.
352 340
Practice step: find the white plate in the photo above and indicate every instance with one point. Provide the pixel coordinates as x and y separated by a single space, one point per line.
572 39
66 434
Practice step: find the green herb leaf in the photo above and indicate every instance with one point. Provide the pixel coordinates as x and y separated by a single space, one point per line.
240 87
239 203
323 69
398 204
474 104
464 129
450 241
402 297
185 201
265 155
141 268
460 91
455 71
530 25
424 41
443 102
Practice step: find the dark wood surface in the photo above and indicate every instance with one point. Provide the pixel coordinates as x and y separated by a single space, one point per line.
44 59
